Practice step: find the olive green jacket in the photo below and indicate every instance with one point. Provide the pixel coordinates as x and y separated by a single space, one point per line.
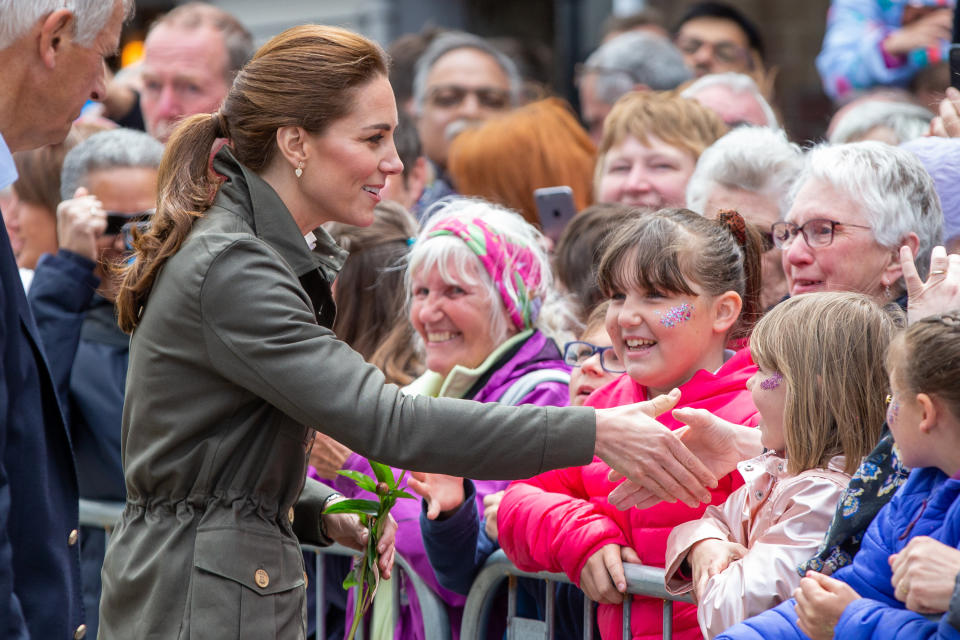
231 370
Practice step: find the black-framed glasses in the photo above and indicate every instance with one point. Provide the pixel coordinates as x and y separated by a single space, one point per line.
452 95
578 352
723 51
817 233
117 219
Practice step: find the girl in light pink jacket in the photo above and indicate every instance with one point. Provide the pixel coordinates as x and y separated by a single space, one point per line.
820 390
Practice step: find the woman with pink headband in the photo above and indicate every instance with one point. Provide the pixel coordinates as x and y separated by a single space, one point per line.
480 289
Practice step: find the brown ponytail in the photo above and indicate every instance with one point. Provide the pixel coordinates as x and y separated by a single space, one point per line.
185 188
751 244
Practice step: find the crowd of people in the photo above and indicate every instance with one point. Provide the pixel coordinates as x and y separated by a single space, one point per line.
230 274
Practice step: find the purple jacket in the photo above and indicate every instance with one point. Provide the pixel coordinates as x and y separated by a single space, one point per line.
492 380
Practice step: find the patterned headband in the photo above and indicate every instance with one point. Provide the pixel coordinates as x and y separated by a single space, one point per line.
514 269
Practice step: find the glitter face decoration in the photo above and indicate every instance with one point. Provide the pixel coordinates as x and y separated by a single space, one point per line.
893 410
772 382
676 316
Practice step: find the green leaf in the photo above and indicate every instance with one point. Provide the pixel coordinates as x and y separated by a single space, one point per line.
384 473
361 479
402 494
370 507
351 580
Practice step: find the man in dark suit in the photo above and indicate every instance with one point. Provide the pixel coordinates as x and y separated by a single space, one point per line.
53 62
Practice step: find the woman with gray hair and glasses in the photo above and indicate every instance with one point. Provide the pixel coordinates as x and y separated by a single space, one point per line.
853 207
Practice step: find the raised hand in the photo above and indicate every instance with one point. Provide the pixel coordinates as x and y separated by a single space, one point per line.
444 494
941 291
81 221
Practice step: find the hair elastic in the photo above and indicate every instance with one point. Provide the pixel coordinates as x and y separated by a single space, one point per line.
733 221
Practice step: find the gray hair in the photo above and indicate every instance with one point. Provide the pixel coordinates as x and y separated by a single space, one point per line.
756 159
237 40
116 148
451 41
455 261
897 194
91 16
907 121
737 83
632 58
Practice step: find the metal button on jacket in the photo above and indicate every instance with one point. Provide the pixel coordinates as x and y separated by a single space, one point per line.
290 515
72 540
261 578
81 631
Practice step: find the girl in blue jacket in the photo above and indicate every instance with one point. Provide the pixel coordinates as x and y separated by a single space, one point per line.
862 600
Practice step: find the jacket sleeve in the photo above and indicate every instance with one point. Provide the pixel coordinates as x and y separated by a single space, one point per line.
60 295
852 58
767 575
260 333
779 622
866 618
448 541
549 523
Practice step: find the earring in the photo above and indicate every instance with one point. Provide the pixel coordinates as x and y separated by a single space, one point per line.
299 170
886 291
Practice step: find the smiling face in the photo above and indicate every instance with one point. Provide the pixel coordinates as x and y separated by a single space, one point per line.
854 261
590 376
651 175
664 339
453 318
184 73
348 164
769 392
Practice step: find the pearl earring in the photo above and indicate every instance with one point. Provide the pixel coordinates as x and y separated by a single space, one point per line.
299 170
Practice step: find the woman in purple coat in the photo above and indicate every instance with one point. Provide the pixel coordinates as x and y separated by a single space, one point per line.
481 304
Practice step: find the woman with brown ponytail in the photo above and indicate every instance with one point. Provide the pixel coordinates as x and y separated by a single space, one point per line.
233 366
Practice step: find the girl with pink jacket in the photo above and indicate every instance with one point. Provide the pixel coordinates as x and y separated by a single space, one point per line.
682 288
820 391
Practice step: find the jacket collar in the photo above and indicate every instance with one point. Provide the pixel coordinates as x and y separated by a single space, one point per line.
247 195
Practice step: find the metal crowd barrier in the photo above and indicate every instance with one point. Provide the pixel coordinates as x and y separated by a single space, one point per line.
641 580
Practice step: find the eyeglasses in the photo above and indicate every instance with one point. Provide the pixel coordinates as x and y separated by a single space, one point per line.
116 220
818 233
453 95
576 353
727 52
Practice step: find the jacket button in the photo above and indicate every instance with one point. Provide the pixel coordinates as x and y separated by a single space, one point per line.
759 494
261 578
72 540
748 467
81 632
306 581
290 515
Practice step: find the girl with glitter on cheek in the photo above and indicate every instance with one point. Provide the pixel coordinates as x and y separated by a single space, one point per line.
681 289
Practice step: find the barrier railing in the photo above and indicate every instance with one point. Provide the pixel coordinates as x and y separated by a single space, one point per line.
641 580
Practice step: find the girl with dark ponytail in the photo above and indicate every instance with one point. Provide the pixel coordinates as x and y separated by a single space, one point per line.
683 293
